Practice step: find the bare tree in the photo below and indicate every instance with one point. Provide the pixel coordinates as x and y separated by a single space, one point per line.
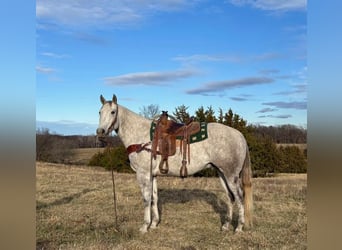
150 111
53 147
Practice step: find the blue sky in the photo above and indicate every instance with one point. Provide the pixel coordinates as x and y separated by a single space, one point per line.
246 55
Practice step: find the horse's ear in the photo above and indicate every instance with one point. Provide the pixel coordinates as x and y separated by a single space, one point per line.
115 100
103 100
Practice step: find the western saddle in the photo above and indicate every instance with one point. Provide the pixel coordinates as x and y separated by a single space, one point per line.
164 138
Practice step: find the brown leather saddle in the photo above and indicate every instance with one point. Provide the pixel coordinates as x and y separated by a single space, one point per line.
164 141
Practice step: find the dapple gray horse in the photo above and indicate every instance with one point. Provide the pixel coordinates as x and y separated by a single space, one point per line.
225 149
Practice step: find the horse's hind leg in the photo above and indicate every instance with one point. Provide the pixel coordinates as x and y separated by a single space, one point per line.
228 219
235 193
236 190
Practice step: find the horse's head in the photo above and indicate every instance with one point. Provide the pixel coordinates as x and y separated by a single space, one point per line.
108 116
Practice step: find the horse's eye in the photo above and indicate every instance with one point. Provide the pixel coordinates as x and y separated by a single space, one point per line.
113 112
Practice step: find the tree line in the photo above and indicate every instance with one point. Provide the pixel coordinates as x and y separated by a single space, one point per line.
279 134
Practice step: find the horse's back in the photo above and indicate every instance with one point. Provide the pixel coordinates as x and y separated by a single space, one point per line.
225 134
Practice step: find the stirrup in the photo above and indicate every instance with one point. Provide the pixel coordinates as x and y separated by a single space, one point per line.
161 166
183 170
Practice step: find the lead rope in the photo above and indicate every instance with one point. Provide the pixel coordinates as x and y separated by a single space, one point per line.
151 180
114 199
114 193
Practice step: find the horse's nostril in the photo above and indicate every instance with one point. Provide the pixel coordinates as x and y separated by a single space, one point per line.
100 131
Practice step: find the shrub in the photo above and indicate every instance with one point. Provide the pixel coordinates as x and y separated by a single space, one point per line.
264 155
115 158
292 160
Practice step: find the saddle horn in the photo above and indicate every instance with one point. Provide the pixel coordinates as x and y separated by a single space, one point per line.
156 117
173 118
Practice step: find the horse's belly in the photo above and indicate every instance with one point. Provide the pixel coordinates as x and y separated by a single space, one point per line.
197 162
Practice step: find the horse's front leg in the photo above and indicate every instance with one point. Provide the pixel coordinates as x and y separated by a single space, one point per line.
155 211
146 189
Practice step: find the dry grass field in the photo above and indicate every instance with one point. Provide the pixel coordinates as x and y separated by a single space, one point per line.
81 156
301 146
75 211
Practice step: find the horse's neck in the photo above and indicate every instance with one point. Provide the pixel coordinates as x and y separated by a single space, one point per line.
133 128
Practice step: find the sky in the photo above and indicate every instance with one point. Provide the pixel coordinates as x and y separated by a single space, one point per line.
246 55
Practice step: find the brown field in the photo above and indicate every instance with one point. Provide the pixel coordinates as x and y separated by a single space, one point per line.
75 211
301 146
83 155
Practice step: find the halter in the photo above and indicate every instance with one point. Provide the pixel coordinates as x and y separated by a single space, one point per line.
115 120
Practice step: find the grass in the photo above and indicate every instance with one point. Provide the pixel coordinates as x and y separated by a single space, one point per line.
81 156
301 146
75 211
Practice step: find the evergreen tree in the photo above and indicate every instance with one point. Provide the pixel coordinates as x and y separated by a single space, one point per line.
264 155
200 114
181 114
220 117
292 160
210 115
228 118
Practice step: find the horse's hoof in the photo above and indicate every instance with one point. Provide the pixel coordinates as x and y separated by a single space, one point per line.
154 225
225 227
143 229
238 230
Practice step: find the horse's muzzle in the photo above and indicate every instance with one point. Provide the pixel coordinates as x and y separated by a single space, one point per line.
100 132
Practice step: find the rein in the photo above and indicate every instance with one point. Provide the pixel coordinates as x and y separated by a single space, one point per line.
114 200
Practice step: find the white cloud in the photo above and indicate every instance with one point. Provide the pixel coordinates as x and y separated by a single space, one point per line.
287 105
54 55
275 116
220 86
273 5
296 89
104 12
239 99
45 70
149 78
196 58
203 57
83 13
266 110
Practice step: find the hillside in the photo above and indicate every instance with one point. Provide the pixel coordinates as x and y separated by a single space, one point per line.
75 211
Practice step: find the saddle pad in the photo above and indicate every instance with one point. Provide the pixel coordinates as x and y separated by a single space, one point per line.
200 136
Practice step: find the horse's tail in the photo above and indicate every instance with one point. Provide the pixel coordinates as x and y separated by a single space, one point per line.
246 176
